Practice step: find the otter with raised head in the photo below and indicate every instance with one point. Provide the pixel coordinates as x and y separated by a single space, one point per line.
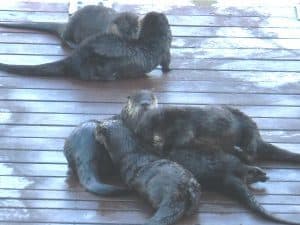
210 164
85 22
109 57
170 189
88 159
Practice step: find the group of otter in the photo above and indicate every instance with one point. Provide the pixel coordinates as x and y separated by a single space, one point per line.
166 154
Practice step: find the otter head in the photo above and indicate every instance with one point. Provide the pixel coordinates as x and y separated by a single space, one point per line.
137 104
155 25
125 25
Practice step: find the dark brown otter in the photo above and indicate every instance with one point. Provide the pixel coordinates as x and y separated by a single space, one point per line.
85 22
222 172
170 189
109 57
210 164
172 127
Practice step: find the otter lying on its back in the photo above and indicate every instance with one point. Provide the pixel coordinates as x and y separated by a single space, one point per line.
89 160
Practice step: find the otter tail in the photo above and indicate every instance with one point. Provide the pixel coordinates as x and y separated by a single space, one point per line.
241 191
88 179
58 68
50 27
172 210
168 213
268 151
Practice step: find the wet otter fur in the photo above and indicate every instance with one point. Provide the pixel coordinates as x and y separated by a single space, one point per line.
85 22
210 164
172 127
89 160
170 189
222 172
109 57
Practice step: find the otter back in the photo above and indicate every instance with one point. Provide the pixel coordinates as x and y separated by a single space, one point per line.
171 190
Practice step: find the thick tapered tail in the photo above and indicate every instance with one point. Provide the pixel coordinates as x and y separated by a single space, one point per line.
241 191
168 213
50 27
172 210
267 151
89 181
58 68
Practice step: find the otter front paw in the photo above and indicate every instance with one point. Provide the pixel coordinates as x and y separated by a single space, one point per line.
255 174
165 69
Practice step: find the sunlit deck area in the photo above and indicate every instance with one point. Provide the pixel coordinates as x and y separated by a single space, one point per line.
240 53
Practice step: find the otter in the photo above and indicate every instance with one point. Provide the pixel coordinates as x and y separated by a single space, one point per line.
172 127
170 189
217 170
89 160
109 57
214 168
85 22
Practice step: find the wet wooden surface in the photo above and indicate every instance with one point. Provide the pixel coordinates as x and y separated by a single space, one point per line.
242 55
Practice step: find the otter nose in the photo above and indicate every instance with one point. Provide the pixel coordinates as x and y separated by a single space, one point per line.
145 104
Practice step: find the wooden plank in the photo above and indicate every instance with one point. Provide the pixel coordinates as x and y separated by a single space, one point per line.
64 131
212 43
259 78
52 119
208 21
91 216
55 157
128 206
207 197
34 6
192 63
243 32
231 53
209 32
225 21
41 144
236 65
213 10
56 144
53 164
186 53
162 85
115 108
59 183
32 49
202 9
35 16
119 96
177 42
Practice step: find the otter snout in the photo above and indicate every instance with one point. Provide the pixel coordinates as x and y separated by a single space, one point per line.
145 104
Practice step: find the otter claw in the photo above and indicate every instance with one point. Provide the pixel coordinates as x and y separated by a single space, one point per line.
256 174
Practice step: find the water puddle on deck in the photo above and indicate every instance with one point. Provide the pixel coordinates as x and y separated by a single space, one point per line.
5 115
13 208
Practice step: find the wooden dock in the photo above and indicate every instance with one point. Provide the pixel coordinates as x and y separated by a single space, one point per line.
247 56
